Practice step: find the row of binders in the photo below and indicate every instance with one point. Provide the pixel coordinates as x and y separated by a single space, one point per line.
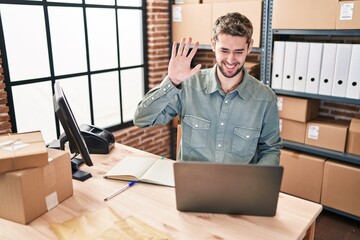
331 69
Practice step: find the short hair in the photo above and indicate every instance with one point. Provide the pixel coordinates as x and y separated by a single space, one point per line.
234 24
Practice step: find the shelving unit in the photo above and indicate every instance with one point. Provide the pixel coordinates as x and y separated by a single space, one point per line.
266 68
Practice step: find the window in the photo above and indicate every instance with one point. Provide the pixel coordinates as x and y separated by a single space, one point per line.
96 49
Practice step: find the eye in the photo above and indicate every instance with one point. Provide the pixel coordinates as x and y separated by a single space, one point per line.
224 50
238 52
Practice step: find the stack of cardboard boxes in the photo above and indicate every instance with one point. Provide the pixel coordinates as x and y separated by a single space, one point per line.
329 182
316 14
33 179
195 18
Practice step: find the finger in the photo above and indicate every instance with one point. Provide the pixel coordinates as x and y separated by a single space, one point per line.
187 46
194 50
181 46
173 50
196 68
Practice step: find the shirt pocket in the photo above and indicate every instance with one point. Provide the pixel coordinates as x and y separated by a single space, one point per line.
195 131
245 141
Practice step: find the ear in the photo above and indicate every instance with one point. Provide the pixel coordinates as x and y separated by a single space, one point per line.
250 44
213 43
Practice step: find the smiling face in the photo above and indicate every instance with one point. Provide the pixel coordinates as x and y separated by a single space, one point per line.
230 53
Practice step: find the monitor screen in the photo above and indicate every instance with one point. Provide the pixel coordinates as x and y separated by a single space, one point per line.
72 134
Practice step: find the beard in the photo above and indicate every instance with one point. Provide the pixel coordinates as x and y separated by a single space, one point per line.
229 74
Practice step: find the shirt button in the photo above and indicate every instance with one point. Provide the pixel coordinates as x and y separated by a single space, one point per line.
226 101
222 124
196 125
164 89
219 145
152 98
169 85
247 136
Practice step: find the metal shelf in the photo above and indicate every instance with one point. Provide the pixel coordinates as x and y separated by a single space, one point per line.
317 32
317 96
344 157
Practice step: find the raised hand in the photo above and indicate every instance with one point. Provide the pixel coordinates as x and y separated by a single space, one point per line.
179 66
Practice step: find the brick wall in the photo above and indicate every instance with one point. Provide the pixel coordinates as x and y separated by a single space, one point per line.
5 125
160 139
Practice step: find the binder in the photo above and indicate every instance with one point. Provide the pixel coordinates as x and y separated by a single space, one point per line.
289 66
278 61
353 86
301 61
327 69
341 72
314 66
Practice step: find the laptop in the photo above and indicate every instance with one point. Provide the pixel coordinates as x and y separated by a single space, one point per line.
227 188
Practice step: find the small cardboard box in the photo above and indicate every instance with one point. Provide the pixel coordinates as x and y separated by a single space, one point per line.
353 138
22 150
27 194
187 23
292 130
341 189
327 134
348 15
297 109
303 174
251 9
289 14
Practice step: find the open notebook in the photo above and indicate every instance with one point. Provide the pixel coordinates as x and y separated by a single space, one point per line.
227 188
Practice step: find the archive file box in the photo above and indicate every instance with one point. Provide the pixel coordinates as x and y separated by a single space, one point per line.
27 194
302 59
341 72
297 109
289 66
327 69
22 150
314 65
278 63
353 86
353 138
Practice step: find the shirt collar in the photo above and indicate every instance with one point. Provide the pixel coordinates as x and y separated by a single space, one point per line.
214 85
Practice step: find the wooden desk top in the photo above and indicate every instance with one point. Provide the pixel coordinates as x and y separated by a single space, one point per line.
155 205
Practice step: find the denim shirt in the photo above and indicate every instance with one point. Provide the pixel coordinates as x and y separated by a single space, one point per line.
241 126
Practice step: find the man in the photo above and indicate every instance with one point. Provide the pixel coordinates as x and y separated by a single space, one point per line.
227 116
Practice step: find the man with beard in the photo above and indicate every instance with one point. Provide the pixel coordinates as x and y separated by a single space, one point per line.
226 115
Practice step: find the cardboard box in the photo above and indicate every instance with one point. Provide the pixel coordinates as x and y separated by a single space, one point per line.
306 14
186 1
297 109
303 174
27 194
22 150
353 137
341 189
327 134
348 15
251 9
187 23
292 130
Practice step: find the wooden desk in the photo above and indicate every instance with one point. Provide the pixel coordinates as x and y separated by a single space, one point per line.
156 206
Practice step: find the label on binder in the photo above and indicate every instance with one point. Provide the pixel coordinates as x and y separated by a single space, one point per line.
280 103
177 15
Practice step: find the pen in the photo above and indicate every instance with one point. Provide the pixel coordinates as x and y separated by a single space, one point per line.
120 190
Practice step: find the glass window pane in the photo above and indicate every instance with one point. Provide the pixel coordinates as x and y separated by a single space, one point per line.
102 38
130 37
132 90
77 93
130 3
66 1
25 40
101 2
68 39
34 109
106 99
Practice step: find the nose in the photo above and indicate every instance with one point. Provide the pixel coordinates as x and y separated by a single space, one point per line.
231 57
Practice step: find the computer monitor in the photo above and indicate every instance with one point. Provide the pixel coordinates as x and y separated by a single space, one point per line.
72 134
